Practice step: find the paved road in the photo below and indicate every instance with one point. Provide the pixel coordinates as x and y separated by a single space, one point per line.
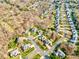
74 31
41 52
37 49
57 16
35 45
56 43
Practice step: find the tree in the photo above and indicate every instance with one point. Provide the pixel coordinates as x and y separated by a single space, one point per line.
77 51
54 57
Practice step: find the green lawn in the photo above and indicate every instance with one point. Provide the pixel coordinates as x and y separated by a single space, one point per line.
17 57
77 43
37 56
25 53
27 42
42 47
12 44
54 57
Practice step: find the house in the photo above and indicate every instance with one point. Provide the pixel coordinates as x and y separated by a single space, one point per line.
59 53
20 39
14 53
26 46
46 41
45 57
50 43
40 37
74 38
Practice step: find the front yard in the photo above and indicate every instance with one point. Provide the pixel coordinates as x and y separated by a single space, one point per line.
37 56
40 44
17 57
25 53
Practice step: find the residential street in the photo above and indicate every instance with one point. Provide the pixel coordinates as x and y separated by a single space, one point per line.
74 31
37 49
41 52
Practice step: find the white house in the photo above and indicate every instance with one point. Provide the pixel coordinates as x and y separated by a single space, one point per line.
59 53
26 46
14 53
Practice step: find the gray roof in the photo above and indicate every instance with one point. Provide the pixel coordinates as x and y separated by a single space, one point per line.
14 52
26 46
